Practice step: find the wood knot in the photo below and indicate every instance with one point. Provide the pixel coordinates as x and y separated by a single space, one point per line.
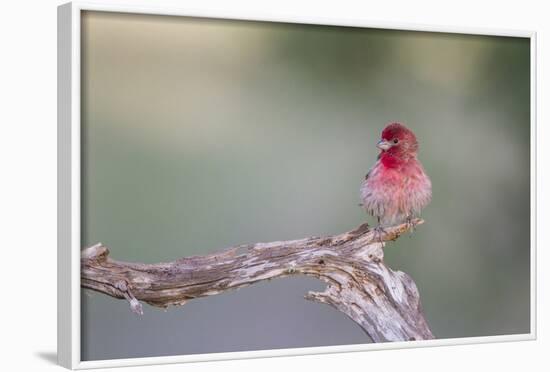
121 285
321 262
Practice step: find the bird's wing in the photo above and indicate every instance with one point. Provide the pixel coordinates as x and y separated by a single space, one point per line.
370 170
364 183
368 174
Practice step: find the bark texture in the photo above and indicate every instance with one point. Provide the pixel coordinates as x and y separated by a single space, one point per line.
385 303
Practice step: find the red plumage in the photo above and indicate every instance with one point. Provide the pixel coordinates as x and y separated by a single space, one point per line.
396 188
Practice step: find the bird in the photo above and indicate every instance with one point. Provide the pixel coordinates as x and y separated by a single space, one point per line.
396 188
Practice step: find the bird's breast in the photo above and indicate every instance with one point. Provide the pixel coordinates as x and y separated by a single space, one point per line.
396 192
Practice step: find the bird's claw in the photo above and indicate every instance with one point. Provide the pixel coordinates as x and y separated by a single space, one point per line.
411 225
379 232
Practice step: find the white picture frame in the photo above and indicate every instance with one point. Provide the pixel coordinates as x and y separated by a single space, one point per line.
69 18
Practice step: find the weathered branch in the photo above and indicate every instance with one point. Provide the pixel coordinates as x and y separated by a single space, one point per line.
385 303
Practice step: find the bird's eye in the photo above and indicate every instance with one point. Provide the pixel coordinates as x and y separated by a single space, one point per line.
395 140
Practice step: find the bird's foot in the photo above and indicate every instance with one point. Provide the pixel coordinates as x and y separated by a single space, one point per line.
411 224
379 233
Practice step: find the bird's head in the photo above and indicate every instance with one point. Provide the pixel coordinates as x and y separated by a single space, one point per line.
398 139
397 142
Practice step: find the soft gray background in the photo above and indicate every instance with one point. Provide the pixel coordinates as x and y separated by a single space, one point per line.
199 134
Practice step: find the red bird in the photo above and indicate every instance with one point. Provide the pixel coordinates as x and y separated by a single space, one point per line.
396 188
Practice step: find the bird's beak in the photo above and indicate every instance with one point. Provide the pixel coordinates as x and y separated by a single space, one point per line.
383 145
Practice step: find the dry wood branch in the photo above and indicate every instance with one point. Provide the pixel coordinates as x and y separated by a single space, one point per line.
385 303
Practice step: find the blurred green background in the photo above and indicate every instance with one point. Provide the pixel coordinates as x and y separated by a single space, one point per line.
198 134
